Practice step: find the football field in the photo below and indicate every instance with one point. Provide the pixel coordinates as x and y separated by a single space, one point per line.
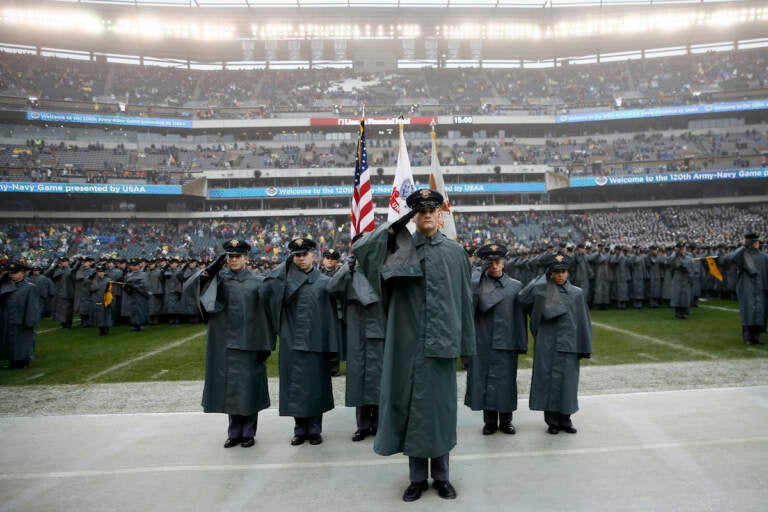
177 352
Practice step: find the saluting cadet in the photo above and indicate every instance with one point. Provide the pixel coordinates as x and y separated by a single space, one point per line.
155 290
330 263
751 287
682 267
135 296
45 289
19 316
562 333
501 336
173 279
83 304
64 280
301 312
329 266
102 301
238 342
424 279
364 323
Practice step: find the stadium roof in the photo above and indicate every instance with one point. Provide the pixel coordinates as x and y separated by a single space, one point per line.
535 4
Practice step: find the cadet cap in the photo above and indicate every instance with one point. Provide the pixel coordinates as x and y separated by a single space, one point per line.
301 245
492 251
424 198
236 247
332 254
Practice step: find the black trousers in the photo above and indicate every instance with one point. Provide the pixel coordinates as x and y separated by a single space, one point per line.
496 418
418 468
557 419
242 426
306 426
367 417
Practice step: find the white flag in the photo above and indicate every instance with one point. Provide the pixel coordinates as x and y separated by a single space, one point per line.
403 186
445 214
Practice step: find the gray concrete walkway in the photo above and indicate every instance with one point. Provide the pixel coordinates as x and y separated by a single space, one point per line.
695 450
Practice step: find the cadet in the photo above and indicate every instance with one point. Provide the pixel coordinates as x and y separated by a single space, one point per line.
238 343
135 296
365 324
424 279
751 287
330 263
101 297
301 312
681 289
501 336
19 316
64 279
155 290
173 279
562 333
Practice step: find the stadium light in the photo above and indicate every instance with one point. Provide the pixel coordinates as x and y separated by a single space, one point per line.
660 20
58 20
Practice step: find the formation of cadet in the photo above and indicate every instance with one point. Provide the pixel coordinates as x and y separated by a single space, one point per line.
620 276
142 292
400 310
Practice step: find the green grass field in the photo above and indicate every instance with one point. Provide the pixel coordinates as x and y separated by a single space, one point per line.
169 353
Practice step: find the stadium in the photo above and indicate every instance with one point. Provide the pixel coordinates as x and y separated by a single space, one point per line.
164 128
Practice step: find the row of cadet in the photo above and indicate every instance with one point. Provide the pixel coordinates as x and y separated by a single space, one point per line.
616 276
402 311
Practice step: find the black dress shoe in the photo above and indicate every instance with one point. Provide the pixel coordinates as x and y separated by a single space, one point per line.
489 429
569 429
413 492
553 430
315 439
444 489
507 428
360 435
248 442
232 441
297 440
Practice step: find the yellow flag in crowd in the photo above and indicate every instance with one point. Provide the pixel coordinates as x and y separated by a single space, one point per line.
107 300
713 270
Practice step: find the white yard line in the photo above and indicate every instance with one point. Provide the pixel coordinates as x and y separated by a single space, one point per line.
657 341
277 466
144 356
721 308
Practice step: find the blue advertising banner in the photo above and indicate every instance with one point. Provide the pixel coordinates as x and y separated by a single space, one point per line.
89 188
72 117
378 190
681 110
673 177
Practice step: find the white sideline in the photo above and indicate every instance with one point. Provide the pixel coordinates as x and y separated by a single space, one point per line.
378 461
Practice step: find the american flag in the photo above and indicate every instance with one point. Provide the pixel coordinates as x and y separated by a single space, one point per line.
362 197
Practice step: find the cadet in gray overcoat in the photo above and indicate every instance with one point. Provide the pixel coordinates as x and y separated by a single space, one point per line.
501 336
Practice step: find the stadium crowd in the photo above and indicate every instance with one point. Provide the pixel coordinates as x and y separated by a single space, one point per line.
638 153
523 232
264 93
